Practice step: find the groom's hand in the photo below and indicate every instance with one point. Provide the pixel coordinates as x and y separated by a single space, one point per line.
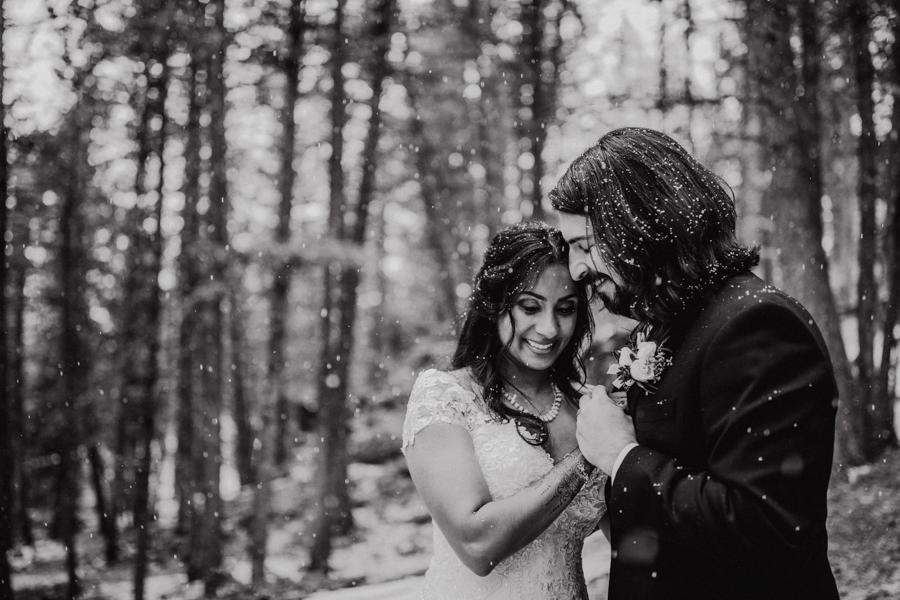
603 429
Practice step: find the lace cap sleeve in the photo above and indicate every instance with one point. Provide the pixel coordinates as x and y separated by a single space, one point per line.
436 397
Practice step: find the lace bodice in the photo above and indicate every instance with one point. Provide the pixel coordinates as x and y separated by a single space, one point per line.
550 566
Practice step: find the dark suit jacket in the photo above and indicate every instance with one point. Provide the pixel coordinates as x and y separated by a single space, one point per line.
725 496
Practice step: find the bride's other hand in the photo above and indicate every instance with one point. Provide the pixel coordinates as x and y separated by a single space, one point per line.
619 398
585 389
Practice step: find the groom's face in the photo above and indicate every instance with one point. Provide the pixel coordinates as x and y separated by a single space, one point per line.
585 260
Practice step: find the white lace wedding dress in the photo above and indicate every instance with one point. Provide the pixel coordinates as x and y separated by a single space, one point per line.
547 568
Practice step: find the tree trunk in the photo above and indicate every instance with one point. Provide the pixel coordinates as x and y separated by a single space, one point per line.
534 128
92 440
276 387
118 496
867 191
283 272
17 391
241 407
211 376
189 268
874 440
789 130
333 508
823 308
884 394
333 505
376 367
72 356
487 113
130 349
663 103
436 227
140 339
74 326
262 472
7 464
150 314
885 384
688 99
67 489
16 270
98 469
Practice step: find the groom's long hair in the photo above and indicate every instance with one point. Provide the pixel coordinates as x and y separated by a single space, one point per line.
513 263
662 222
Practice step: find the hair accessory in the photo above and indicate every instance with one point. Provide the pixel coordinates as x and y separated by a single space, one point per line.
547 416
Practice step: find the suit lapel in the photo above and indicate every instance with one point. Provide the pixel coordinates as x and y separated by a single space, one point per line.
634 392
672 337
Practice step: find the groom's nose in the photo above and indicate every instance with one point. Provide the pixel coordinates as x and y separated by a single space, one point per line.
578 267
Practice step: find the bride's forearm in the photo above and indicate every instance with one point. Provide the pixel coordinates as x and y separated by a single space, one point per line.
508 525
560 487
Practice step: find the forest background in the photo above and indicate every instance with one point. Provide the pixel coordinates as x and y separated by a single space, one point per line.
236 230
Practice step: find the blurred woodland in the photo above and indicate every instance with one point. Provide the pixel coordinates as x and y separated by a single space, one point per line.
235 230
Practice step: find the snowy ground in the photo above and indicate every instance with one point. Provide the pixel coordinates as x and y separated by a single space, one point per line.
389 551
383 560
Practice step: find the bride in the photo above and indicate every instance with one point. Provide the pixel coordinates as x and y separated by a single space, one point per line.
491 444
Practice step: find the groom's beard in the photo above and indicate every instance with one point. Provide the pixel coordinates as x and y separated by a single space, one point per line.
610 294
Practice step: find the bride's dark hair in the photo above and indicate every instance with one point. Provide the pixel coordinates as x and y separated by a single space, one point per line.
663 222
512 264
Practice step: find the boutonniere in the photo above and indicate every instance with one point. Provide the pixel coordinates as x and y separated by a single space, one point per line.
641 362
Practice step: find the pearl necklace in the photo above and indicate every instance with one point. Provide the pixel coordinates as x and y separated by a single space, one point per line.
547 416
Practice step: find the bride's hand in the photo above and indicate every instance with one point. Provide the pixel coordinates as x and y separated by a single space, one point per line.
619 398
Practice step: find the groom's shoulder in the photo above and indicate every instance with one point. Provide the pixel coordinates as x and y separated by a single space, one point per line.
747 305
748 293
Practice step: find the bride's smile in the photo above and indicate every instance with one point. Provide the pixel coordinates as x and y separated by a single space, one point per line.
541 321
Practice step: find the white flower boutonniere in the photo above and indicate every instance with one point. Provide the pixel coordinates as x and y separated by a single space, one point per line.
642 362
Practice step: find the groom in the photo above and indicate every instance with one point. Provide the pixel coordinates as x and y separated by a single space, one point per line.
720 464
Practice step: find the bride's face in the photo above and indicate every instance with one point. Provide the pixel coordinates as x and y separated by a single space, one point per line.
544 317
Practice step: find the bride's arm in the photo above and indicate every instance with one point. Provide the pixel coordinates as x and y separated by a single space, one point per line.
483 531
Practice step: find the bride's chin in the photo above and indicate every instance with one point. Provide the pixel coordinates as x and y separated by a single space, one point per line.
531 364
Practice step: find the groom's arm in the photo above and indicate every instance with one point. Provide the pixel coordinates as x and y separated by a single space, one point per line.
768 398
